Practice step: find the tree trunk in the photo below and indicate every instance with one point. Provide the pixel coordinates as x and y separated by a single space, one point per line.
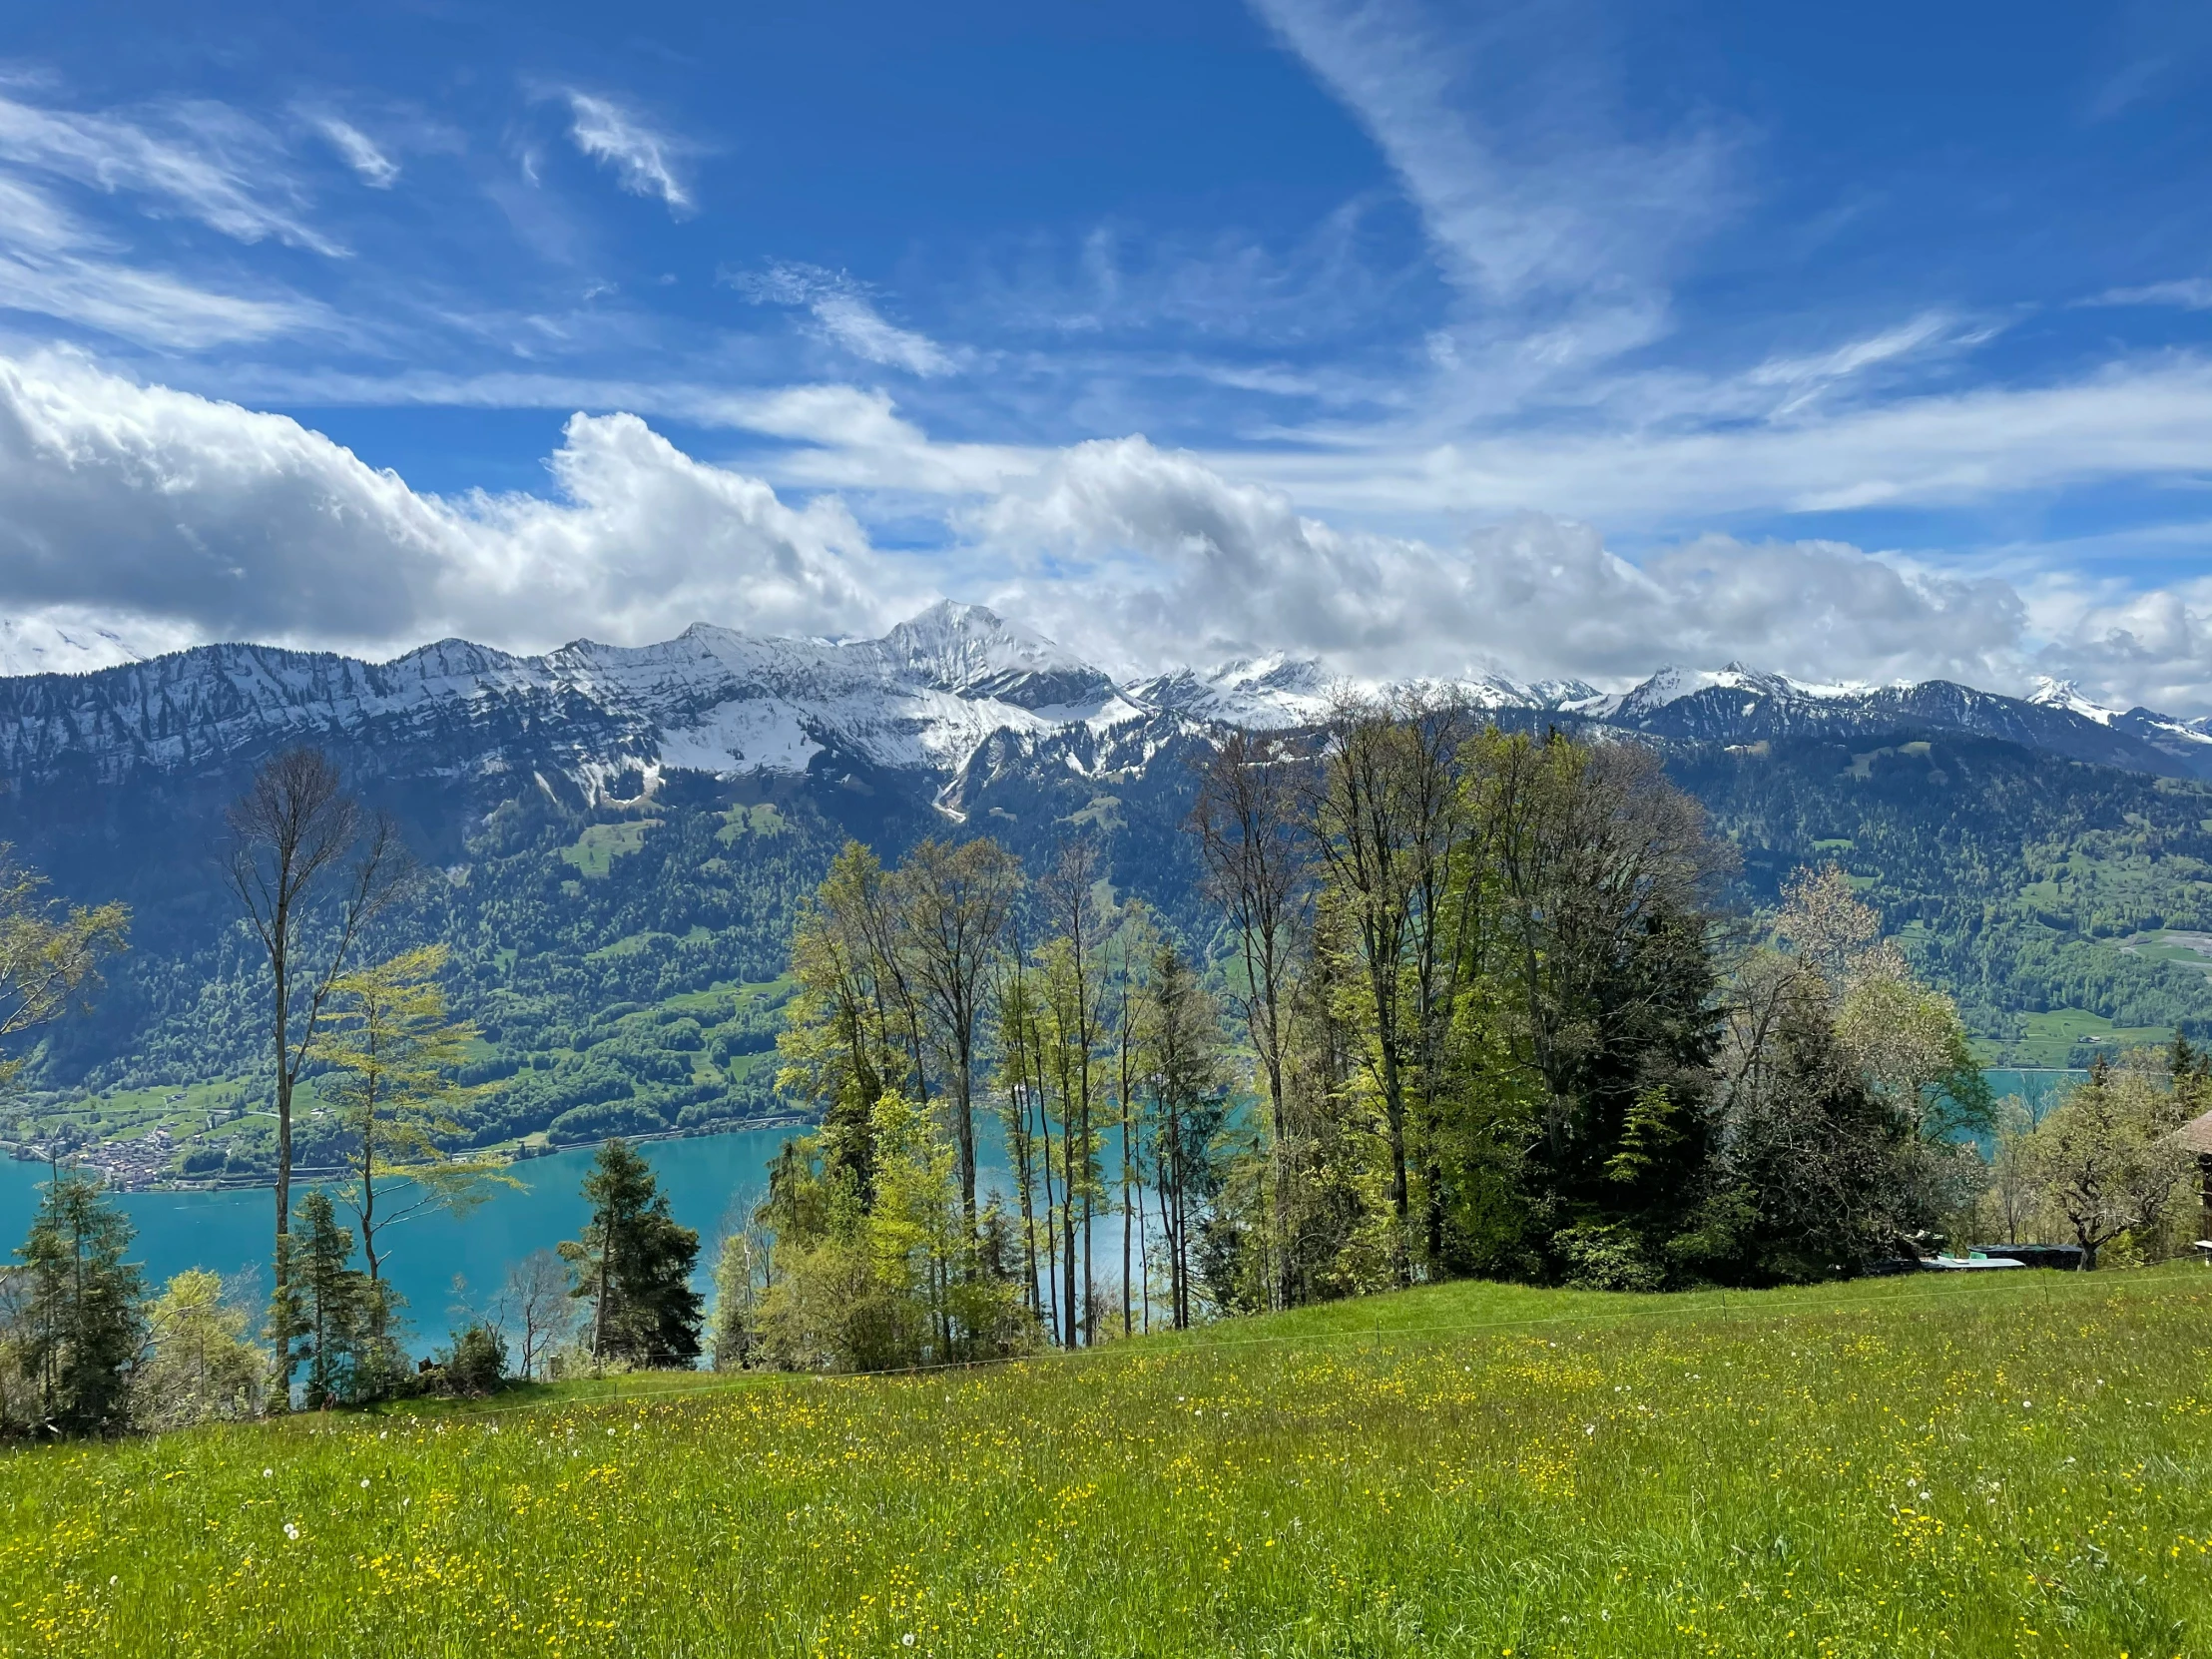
964 1126
283 1108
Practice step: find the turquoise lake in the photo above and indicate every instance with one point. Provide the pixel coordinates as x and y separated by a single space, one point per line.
710 1180
706 1178
2039 1089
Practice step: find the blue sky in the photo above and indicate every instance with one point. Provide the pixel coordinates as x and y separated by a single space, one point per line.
1565 339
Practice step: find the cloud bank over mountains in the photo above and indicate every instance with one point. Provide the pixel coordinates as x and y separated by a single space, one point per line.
1561 342
166 518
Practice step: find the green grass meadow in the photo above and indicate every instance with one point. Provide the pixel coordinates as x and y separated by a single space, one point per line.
2015 1463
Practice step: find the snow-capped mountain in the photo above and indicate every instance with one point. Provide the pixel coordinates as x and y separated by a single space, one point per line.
953 699
42 645
2187 742
922 698
1672 685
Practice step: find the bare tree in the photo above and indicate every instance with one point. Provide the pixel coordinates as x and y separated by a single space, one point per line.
292 833
954 906
1138 942
1249 832
538 1295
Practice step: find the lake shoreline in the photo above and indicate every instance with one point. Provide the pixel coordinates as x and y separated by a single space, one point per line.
524 1151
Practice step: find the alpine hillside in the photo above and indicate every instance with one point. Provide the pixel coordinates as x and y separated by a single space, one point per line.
615 838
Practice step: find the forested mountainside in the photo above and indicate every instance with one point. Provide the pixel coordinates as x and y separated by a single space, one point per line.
613 842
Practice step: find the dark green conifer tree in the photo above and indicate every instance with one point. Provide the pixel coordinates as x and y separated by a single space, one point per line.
323 1310
81 1317
634 1266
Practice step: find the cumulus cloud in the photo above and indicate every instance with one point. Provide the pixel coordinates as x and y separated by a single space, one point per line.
644 160
164 517
169 511
1185 563
847 316
2151 648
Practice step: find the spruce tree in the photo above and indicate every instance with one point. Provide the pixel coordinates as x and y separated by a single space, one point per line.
81 1317
325 1306
634 1266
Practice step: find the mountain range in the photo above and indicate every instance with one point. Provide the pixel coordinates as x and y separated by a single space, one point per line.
615 840
955 688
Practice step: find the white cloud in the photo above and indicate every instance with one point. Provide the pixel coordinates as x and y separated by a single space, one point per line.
2144 420
143 306
842 436
1564 206
360 151
847 316
171 516
1805 377
2150 648
644 160
2189 293
1559 231
858 326
1182 563
201 158
54 265
178 513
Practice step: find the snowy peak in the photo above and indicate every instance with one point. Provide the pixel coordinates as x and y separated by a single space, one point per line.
1672 685
972 652
1275 691
40 644
946 697
1264 694
2065 693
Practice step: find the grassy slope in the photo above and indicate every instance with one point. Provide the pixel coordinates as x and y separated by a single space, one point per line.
1995 1464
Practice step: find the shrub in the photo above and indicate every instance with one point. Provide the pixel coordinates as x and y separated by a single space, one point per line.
200 1366
476 1363
1606 1257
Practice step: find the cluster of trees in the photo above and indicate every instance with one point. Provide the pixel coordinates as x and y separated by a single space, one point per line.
1492 1019
1505 1026
2107 1167
934 1001
85 1351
